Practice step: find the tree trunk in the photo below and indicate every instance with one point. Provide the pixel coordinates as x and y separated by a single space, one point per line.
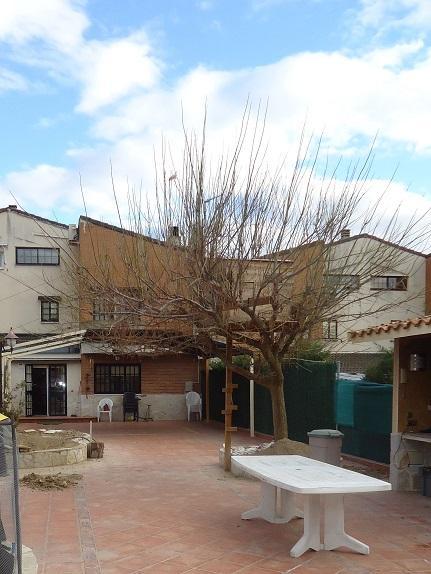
279 416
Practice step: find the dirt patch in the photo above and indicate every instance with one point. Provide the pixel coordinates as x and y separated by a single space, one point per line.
286 446
283 446
45 440
57 481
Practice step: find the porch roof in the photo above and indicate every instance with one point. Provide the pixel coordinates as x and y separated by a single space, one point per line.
393 330
46 344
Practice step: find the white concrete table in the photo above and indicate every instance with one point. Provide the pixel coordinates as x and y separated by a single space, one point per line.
284 476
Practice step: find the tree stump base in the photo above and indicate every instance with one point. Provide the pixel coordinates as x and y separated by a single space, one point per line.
95 449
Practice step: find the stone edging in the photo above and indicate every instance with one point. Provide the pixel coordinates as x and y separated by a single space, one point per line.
54 456
234 468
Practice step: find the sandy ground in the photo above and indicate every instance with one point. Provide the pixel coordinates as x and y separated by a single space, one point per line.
40 440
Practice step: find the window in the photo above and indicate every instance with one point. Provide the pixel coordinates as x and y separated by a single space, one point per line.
102 311
49 310
389 283
117 379
2 257
330 329
343 282
37 256
125 303
248 289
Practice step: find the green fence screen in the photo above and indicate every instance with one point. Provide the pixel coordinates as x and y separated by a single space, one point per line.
364 415
344 401
314 399
309 389
240 396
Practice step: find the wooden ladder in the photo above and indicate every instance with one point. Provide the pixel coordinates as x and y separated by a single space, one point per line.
229 407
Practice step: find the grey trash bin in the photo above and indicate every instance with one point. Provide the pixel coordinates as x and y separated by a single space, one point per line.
325 445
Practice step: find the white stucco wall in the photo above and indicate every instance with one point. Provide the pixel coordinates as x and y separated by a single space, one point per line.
73 369
21 285
164 406
17 385
73 388
366 307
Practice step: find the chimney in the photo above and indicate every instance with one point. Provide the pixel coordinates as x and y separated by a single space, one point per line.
11 207
73 232
344 233
173 236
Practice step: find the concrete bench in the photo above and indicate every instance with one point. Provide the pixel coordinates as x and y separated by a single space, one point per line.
322 485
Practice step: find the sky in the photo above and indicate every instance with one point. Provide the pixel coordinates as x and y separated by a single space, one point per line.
90 86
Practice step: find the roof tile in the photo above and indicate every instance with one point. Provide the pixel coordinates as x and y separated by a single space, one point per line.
392 326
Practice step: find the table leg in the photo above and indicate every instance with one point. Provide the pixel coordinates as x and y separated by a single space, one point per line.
311 536
267 508
334 535
288 505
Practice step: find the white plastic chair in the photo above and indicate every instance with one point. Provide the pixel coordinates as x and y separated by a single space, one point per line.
101 408
193 404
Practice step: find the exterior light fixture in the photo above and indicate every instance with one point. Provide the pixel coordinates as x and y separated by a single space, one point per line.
11 339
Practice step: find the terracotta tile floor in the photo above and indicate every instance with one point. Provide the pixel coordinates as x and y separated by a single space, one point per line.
158 503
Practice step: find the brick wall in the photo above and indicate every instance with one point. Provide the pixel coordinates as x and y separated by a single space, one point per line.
158 375
168 374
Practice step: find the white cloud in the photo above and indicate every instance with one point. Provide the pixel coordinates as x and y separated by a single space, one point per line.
385 15
216 25
11 81
258 5
44 188
349 96
205 5
59 23
47 122
111 70
55 192
394 56
385 91
49 34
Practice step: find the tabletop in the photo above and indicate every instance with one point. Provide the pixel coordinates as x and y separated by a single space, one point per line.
307 476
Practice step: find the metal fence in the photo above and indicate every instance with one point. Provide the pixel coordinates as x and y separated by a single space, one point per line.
10 539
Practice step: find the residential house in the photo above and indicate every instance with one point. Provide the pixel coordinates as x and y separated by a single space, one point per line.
73 282
411 398
383 282
126 350
110 365
359 280
37 256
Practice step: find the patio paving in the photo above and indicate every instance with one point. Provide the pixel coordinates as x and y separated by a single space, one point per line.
158 503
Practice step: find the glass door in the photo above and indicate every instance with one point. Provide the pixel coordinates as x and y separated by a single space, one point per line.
57 390
38 392
46 390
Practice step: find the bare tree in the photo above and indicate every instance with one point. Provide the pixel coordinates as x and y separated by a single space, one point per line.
234 251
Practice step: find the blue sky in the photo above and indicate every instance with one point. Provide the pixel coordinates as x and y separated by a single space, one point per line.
87 83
